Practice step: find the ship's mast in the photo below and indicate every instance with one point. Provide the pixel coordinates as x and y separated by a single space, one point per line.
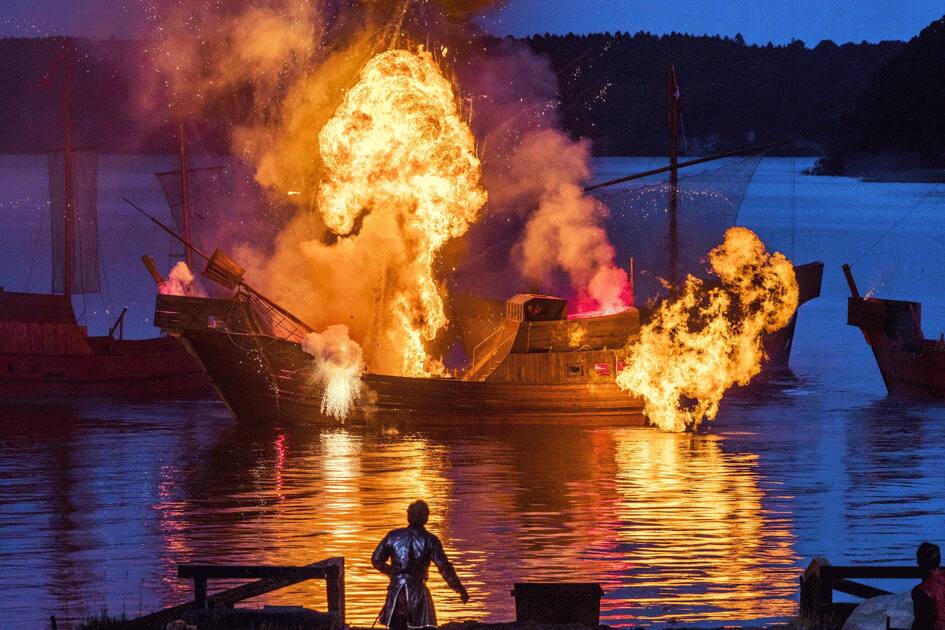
672 93
69 205
184 193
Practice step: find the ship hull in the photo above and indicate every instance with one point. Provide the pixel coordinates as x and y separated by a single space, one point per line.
911 365
159 368
45 354
272 381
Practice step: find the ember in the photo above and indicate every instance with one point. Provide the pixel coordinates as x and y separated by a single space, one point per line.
705 340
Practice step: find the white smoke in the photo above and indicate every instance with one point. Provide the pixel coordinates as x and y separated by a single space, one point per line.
338 367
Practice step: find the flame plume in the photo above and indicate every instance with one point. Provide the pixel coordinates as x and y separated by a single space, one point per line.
704 341
398 146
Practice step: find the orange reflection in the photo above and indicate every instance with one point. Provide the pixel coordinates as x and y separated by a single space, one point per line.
673 526
704 545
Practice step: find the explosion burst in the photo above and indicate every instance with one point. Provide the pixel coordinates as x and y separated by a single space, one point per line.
398 151
338 368
701 343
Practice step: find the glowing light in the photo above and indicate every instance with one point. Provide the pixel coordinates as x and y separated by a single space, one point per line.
704 341
181 281
338 369
398 146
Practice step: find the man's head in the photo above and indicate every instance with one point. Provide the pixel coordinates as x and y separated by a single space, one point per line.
928 556
418 513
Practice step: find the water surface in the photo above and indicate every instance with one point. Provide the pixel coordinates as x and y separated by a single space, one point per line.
100 502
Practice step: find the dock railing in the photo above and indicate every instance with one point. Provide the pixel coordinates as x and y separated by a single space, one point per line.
821 579
268 579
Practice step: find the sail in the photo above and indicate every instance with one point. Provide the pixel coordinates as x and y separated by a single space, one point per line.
708 204
227 206
85 254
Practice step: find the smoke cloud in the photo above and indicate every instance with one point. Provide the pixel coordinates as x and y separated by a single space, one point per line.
377 264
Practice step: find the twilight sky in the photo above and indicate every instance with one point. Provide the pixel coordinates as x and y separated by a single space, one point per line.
759 21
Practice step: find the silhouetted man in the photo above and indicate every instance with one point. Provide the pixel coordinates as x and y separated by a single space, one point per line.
409 551
928 598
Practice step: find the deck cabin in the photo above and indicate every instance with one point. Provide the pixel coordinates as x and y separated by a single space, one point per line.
537 343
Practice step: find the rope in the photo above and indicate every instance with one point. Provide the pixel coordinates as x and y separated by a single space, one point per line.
894 225
39 232
793 206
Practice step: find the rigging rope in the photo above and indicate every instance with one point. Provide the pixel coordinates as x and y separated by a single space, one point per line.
42 222
894 225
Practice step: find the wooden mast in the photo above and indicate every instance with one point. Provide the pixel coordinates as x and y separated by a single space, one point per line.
69 205
184 193
672 93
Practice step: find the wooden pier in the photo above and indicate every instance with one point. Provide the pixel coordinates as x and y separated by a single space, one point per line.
821 579
267 579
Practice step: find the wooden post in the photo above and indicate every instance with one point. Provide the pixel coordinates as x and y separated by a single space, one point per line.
335 584
673 123
200 592
185 194
816 590
633 287
69 205
851 283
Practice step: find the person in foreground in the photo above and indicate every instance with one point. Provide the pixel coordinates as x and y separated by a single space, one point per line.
405 555
928 598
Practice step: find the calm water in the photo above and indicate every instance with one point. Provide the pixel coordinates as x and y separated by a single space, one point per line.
99 503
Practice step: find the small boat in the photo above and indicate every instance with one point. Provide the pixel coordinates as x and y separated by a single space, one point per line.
910 364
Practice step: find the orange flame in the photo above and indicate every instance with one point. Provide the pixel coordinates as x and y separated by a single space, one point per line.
701 343
398 149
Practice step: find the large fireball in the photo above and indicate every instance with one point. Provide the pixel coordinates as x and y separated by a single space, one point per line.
399 146
704 341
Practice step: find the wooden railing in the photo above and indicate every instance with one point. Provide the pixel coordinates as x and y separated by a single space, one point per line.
268 579
821 579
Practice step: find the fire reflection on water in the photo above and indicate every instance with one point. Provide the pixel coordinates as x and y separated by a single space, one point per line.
700 531
671 525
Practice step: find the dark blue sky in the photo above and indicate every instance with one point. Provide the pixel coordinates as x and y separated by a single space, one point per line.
757 20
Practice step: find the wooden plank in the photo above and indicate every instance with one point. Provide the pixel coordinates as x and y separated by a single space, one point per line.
231 596
876 572
224 572
857 589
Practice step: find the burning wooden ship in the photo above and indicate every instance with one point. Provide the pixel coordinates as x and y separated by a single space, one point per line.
538 366
910 364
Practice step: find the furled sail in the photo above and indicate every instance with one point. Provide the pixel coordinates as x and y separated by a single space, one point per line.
85 254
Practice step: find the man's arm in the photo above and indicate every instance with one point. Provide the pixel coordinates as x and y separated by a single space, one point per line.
446 569
380 557
923 612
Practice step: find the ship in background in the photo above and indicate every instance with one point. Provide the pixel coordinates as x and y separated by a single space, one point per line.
664 228
911 365
44 352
